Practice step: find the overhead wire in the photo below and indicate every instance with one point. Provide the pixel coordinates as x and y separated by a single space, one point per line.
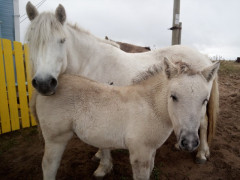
37 6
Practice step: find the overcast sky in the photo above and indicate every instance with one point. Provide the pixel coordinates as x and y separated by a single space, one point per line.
211 26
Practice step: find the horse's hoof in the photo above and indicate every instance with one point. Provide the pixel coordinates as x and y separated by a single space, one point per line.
98 174
175 148
200 161
95 159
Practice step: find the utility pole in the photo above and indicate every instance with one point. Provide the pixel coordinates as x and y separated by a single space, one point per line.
176 26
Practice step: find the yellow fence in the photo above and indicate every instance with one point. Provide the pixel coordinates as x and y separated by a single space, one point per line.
15 87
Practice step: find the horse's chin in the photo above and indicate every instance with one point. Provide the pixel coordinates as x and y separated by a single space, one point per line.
48 94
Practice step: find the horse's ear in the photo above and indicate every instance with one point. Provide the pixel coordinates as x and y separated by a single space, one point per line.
169 68
32 12
210 72
60 14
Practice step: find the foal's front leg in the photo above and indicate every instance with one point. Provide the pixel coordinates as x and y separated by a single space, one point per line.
203 150
53 152
142 161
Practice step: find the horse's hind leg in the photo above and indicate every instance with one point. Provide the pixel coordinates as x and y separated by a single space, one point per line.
105 164
203 150
54 149
97 156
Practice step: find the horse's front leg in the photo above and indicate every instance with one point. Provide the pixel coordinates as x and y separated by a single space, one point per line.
203 150
54 148
152 161
142 161
105 164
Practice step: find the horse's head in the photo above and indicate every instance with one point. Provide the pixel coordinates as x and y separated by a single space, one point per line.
47 47
188 95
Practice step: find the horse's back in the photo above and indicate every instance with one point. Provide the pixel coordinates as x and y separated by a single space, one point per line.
191 56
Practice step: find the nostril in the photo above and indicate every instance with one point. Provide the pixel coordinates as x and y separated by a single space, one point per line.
184 143
196 143
53 83
34 83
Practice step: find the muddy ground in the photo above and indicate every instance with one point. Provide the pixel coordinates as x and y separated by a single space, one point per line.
21 152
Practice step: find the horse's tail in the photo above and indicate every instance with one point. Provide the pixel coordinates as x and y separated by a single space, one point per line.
213 110
32 106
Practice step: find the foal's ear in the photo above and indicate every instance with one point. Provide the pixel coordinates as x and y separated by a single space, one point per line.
60 14
210 72
169 68
32 12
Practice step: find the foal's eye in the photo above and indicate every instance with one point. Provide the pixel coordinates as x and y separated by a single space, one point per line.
62 40
205 101
174 98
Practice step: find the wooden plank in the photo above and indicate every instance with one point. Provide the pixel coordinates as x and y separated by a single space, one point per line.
4 110
21 81
8 59
29 79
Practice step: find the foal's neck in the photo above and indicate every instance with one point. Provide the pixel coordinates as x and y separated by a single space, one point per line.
156 90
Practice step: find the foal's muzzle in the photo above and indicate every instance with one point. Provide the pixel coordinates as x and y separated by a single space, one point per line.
189 141
45 86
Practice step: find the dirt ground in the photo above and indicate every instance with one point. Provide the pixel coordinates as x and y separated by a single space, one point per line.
21 152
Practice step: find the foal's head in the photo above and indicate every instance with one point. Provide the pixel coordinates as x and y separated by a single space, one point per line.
47 47
188 95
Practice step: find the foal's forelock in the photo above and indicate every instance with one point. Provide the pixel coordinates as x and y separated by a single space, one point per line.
185 68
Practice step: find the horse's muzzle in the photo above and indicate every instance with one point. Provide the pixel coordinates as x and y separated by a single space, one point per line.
46 86
189 141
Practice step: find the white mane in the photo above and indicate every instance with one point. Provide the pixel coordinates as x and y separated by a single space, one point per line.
79 29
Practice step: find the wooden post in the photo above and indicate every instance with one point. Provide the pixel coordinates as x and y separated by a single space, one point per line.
176 33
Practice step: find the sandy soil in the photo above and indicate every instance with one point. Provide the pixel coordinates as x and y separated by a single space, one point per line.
21 152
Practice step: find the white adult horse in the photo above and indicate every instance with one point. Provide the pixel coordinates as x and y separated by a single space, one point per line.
57 47
139 117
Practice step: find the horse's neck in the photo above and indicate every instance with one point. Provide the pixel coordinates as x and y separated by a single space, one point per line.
101 61
77 50
84 51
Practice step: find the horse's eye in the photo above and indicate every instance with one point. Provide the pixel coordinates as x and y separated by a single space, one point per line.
205 101
174 98
62 40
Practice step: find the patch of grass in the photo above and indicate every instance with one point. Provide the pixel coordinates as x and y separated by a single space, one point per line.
156 173
229 67
124 178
